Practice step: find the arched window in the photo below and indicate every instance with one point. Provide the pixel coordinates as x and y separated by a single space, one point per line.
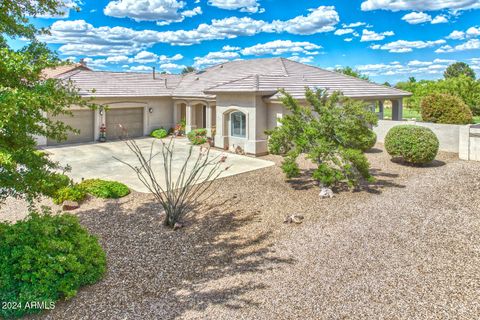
238 124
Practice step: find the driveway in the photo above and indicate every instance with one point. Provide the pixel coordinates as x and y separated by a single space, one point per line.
97 161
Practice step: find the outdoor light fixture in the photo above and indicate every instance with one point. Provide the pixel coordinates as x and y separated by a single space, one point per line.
101 111
150 110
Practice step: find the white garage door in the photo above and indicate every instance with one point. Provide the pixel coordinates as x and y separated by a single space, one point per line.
82 120
130 119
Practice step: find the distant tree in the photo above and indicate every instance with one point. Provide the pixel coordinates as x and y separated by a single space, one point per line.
457 69
412 80
163 72
331 131
188 69
387 84
349 71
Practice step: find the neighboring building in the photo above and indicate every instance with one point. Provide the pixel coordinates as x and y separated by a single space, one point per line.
235 101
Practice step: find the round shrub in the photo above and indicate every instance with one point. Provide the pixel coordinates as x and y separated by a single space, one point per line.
413 144
197 136
46 258
445 108
55 182
366 142
104 189
159 133
74 193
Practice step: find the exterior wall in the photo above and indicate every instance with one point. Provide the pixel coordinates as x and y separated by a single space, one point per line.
256 122
448 134
470 143
161 116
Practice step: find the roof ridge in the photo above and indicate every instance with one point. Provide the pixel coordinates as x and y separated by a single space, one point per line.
284 67
228 82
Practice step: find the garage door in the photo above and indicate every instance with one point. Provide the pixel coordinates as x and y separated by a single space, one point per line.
131 120
82 120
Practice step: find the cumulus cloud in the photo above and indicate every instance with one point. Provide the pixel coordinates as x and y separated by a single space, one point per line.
370 35
162 11
417 17
214 58
439 19
82 38
424 5
251 6
341 32
413 67
472 44
279 47
403 46
471 32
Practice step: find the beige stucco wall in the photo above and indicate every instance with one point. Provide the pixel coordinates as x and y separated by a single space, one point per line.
161 116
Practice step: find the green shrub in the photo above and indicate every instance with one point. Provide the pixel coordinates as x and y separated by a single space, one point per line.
365 142
445 108
46 258
197 136
56 182
159 133
413 144
290 167
104 189
73 193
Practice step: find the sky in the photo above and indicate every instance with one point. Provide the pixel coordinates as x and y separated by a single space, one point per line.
388 40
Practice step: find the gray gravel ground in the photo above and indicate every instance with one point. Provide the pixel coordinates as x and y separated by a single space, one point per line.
407 247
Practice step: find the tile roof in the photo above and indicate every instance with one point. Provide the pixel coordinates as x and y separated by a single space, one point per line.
57 71
123 84
263 76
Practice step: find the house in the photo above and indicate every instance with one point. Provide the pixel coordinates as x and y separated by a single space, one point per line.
235 101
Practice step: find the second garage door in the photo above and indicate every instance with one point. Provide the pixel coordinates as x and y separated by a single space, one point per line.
130 119
83 121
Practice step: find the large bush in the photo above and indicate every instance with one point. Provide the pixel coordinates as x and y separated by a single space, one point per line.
104 189
56 182
331 131
197 136
412 144
159 133
445 108
46 258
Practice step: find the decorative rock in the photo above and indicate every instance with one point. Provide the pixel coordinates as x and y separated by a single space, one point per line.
326 193
293 219
70 205
177 226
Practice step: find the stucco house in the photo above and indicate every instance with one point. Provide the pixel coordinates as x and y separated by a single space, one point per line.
235 101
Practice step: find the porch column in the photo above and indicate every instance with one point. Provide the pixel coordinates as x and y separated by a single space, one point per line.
176 114
191 116
208 119
397 110
380 111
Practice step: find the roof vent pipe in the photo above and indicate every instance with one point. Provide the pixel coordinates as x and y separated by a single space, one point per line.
153 70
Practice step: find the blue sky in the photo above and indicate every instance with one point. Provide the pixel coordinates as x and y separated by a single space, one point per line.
389 40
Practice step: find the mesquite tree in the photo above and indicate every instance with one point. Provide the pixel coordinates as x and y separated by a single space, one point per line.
177 193
331 131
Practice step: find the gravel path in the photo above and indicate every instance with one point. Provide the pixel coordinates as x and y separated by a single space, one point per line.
407 247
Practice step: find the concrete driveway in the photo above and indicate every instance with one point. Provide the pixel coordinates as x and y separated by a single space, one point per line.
96 160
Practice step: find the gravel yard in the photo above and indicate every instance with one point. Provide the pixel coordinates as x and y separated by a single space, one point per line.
407 247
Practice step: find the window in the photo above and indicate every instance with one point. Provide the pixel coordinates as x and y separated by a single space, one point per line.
238 125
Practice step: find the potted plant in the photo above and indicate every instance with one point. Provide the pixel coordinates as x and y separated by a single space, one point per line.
103 133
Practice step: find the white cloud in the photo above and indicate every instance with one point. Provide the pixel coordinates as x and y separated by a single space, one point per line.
162 11
417 17
456 35
439 19
370 35
341 32
422 5
214 58
230 48
301 59
472 44
414 67
403 46
279 47
171 66
354 25
141 68
251 6
82 38
348 39
321 19
471 32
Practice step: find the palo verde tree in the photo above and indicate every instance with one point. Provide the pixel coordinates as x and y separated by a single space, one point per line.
26 100
349 71
331 131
